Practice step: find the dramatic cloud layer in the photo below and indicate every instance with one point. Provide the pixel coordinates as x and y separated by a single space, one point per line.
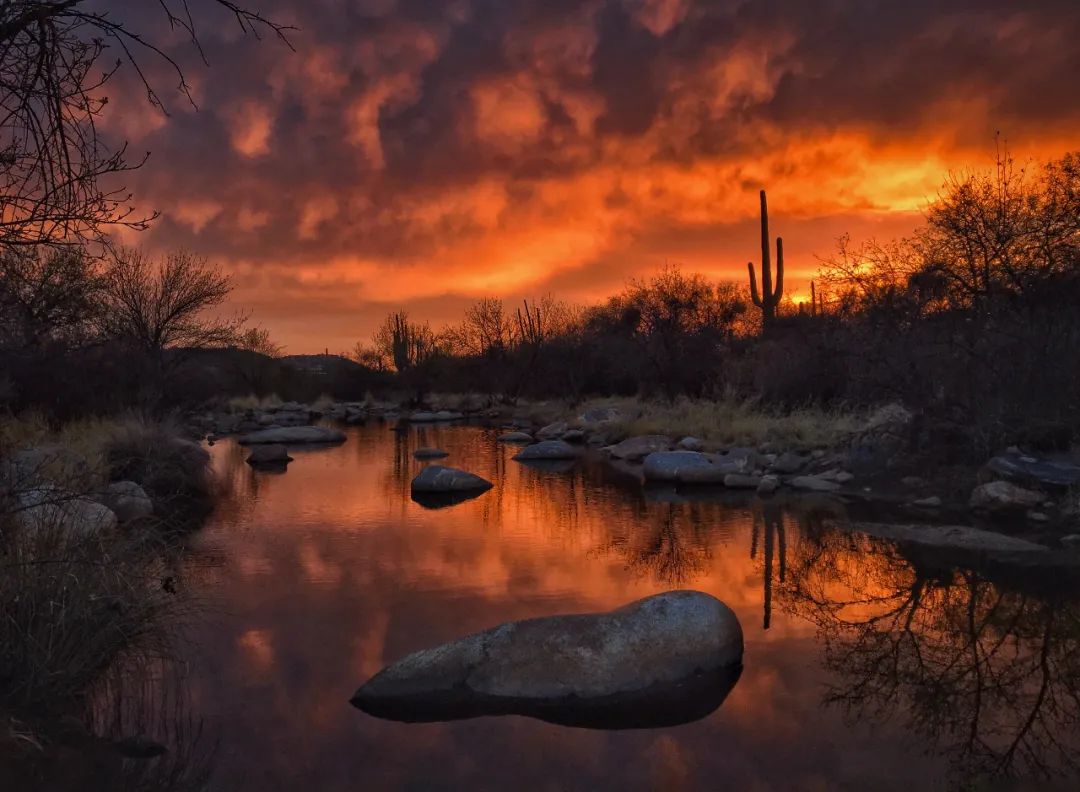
421 153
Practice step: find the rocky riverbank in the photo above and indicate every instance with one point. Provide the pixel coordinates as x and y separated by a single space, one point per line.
855 458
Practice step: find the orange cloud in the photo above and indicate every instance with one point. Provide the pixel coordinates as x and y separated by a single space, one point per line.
425 156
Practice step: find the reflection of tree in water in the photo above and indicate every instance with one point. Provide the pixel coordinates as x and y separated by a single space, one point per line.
988 671
669 541
147 703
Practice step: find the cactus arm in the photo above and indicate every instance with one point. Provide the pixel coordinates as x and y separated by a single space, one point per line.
779 291
754 296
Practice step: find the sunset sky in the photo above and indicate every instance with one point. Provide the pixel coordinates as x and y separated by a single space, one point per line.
422 153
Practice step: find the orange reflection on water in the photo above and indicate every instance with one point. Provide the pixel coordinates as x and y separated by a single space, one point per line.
330 571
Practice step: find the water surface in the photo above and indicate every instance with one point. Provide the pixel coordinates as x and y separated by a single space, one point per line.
863 669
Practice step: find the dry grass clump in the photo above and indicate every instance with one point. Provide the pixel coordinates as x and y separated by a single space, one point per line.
71 607
732 421
174 472
253 402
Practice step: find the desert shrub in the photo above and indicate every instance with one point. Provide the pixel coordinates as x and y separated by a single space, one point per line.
174 472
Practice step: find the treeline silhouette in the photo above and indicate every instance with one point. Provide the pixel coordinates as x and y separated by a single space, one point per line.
974 321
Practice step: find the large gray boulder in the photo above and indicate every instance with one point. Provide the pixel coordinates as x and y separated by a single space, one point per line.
1032 471
634 448
294 435
48 509
1002 496
127 500
548 449
572 669
437 478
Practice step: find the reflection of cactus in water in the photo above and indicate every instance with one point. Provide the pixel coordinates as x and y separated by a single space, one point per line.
772 520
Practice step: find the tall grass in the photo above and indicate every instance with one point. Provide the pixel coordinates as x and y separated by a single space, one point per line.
71 608
730 420
253 402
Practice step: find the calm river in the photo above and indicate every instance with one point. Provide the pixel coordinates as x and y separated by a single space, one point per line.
862 671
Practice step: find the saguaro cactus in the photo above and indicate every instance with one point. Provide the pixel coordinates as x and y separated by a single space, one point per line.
769 297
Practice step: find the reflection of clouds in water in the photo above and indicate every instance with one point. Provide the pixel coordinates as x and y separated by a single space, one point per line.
317 567
258 647
341 573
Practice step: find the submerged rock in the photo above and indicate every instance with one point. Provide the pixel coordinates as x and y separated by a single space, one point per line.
548 449
954 537
437 478
1001 496
294 435
625 667
430 453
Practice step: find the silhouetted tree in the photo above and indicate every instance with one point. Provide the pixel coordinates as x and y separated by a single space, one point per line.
55 168
159 306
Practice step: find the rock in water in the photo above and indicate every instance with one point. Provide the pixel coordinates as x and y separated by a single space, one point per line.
553 431
516 437
640 447
430 453
437 478
269 456
548 449
664 659
294 435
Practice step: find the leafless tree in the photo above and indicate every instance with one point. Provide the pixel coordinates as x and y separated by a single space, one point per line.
158 305
46 295
257 339
55 168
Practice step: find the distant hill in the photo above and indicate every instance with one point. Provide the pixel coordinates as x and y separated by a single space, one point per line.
328 365
209 373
